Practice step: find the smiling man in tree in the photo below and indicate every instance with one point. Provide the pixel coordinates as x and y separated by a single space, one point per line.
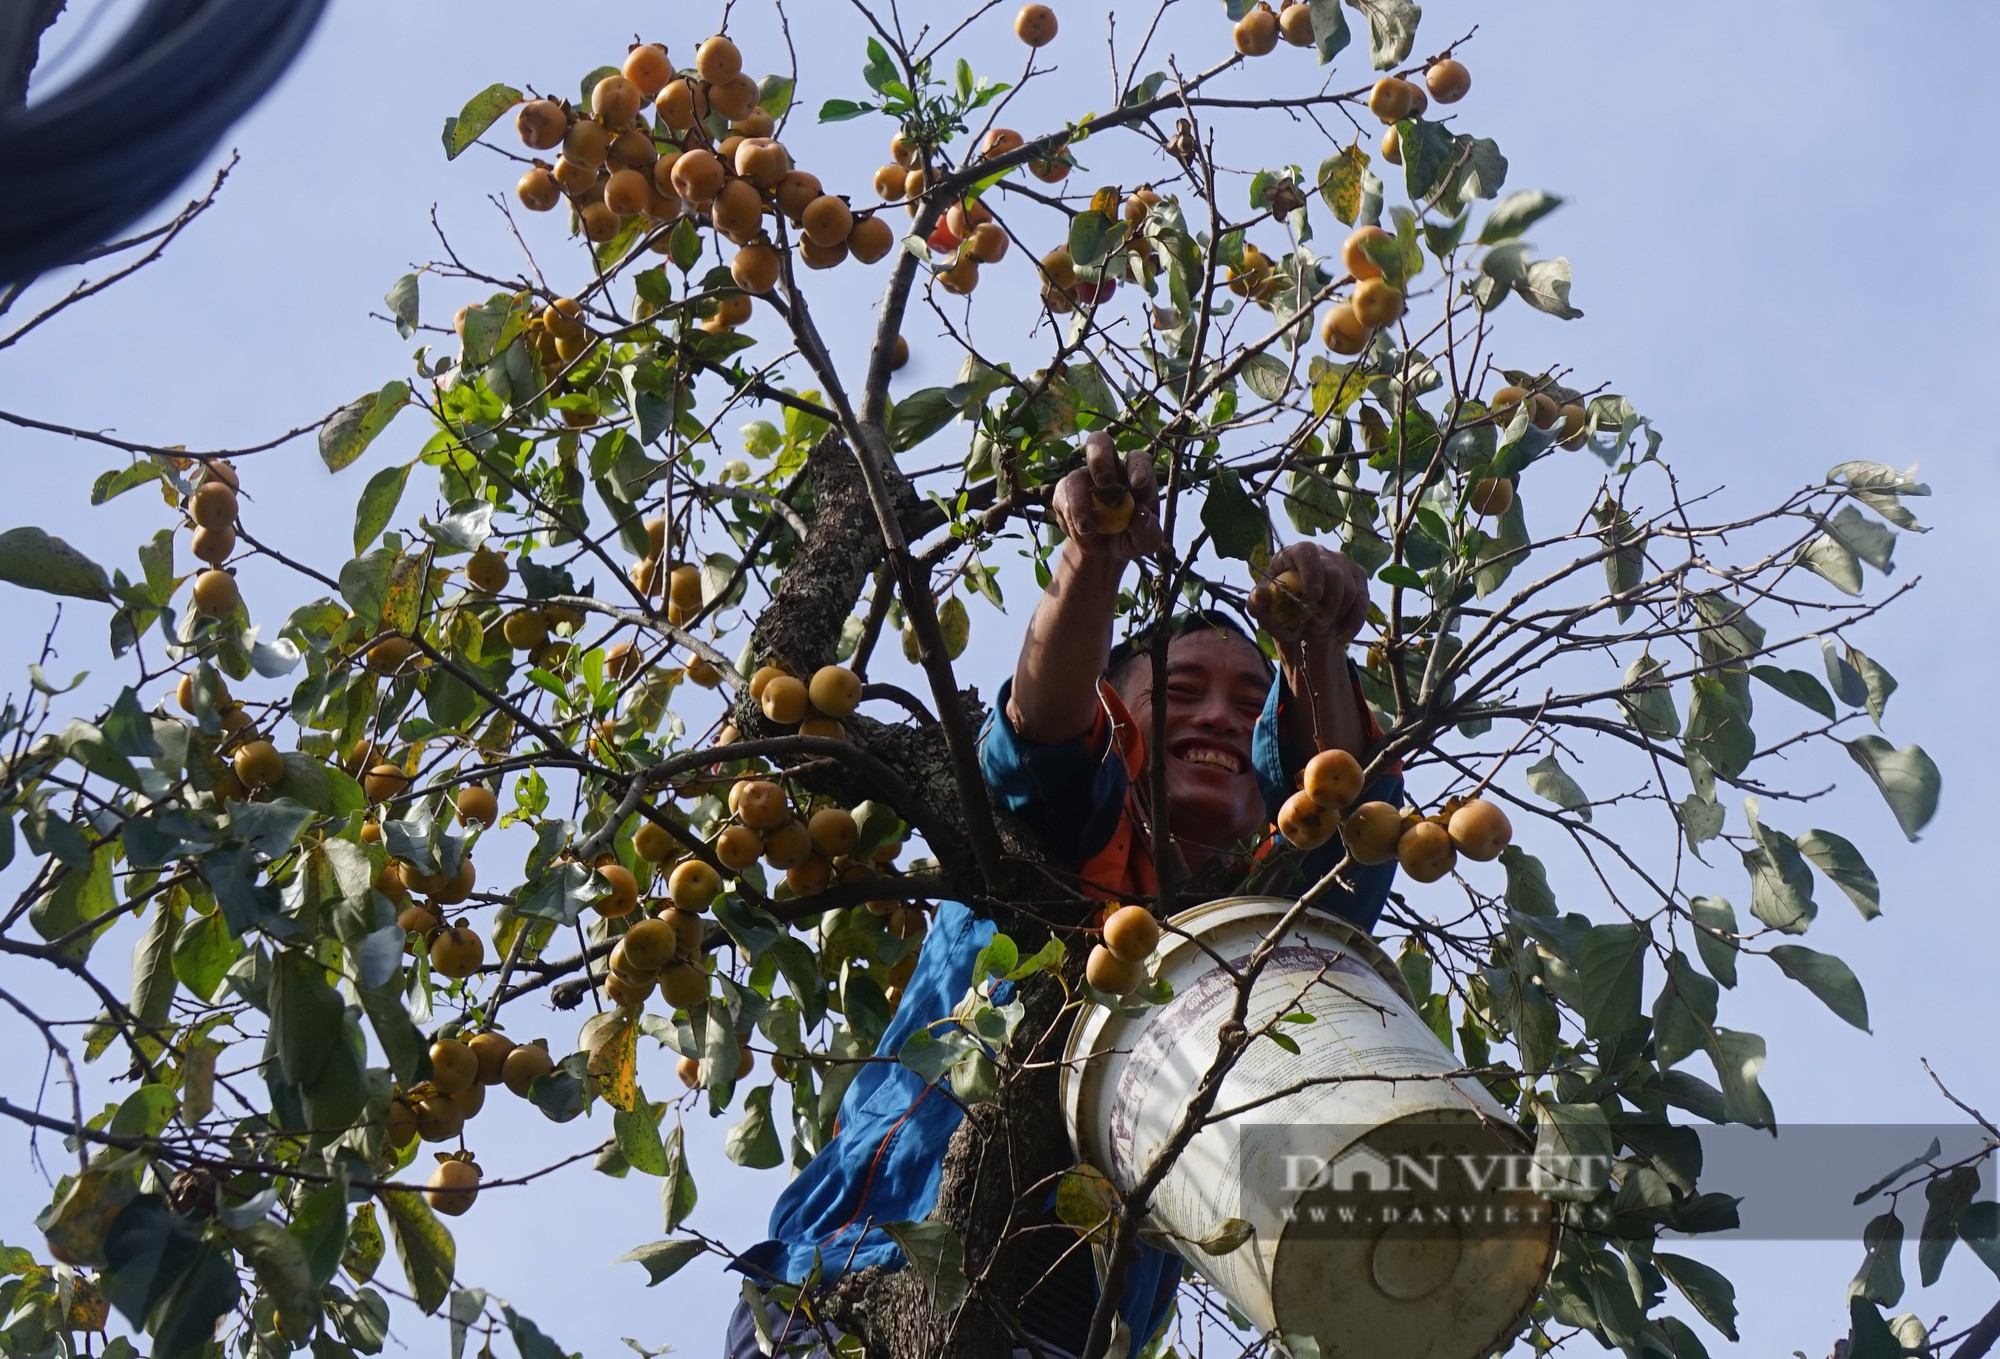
1067 751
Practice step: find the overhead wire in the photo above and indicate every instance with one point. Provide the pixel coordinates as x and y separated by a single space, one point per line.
88 161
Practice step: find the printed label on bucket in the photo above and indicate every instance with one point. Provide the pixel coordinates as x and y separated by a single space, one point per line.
1429 1179
1418 1178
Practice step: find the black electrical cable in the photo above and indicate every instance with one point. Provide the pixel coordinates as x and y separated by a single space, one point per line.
81 166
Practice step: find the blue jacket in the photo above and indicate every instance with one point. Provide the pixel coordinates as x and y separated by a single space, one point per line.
884 1162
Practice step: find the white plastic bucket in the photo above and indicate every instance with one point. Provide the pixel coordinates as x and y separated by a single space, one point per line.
1441 1264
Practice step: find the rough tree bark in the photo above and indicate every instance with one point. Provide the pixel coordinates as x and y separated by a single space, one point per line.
1004 1157
999 1168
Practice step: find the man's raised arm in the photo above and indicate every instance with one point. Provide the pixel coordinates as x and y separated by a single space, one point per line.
1313 629
1109 510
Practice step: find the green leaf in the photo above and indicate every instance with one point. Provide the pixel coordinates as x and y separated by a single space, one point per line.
1613 1301
1738 1057
1718 729
378 504
306 1017
880 70
1945 1196
1679 1339
1527 883
974 1077
1093 237
320 1227
637 1131
468 1305
1392 28
402 300
1546 288
1548 780
1231 1235
754 1141
153 980
480 112
1428 150
1611 967
1979 1228
840 110
39 561
1717 955
1572 1149
1864 538
677 1188
1684 1012
183 1325
271 827
1701 820
1841 675
364 1245
147 1250
1908 779
774 95
1877 681
1928 1155
1267 376
429 1254
1047 958
684 245
1798 686
939 1257
122 479
561 893
1479 172
997 959
362 1320
930 1056
1881 489
79 897
283 1276
1830 559
1880 1278
920 415
663 1259
1234 521
1330 35
1515 213
955 626
349 430
1868 1336
1650 704
1842 862
203 952
1780 883
1826 977
1706 1288
1340 176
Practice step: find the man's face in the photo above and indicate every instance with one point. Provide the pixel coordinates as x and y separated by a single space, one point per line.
1216 686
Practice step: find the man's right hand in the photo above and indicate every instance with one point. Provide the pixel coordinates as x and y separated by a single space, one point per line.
1090 503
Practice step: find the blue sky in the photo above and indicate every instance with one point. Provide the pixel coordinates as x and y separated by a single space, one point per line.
1776 222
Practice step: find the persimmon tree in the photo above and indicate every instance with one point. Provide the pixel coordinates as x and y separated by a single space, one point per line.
601 733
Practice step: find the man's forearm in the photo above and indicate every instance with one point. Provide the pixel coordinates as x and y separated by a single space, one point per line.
1325 712
1068 642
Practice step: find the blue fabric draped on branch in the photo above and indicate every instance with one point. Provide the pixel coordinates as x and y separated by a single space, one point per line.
86 162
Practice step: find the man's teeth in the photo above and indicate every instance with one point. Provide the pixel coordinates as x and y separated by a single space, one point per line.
1215 757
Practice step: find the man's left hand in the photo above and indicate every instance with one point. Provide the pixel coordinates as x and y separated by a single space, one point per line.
1311 594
